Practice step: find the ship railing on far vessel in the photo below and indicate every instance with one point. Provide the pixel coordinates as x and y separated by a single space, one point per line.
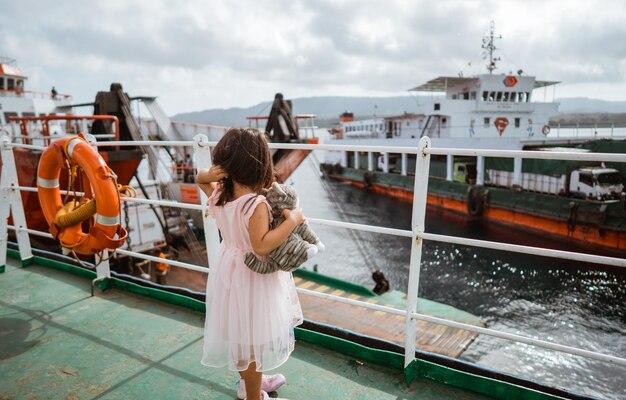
34 95
201 148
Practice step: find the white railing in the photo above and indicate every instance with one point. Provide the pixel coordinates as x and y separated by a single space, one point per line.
11 201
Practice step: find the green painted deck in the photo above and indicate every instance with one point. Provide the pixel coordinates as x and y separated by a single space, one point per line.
58 342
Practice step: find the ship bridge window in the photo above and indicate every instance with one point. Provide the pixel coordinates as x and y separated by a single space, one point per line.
499 96
465 96
472 95
513 96
486 122
1 83
10 84
505 96
517 122
437 106
485 95
492 96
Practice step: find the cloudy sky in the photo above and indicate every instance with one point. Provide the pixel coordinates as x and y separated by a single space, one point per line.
200 54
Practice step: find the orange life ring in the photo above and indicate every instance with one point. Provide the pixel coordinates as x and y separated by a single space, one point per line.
545 129
76 151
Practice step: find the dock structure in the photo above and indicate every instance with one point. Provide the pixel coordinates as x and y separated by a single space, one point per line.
433 338
60 342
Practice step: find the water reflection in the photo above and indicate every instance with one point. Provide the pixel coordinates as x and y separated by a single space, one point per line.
571 303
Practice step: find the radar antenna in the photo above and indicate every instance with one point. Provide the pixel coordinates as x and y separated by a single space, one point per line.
490 47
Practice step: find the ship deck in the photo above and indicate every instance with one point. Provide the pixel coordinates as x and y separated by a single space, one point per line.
59 342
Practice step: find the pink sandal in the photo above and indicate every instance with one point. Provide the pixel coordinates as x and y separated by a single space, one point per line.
269 383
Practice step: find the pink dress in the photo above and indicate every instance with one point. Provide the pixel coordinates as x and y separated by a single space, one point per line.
249 316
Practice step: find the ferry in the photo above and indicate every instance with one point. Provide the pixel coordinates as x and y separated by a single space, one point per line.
579 203
60 312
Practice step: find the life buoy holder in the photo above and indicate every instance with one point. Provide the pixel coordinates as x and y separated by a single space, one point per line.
545 129
65 220
475 201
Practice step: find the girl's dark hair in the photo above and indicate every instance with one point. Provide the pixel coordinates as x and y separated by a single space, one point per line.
245 157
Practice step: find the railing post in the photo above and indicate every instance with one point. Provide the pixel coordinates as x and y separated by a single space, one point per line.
422 166
480 170
11 203
450 167
103 268
202 155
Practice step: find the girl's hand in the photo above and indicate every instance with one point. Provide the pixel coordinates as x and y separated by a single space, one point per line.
294 215
213 174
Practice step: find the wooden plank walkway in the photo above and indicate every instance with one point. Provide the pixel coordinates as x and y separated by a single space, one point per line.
434 338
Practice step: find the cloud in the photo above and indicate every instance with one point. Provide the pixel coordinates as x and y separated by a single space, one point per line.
207 54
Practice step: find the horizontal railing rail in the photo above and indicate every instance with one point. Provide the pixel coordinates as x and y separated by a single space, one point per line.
416 233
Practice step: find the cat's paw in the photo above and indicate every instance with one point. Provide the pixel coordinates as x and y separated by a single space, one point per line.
311 252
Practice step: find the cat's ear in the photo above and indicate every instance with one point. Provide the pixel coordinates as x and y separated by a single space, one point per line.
276 187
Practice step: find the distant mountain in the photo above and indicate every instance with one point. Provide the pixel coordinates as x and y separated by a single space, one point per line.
328 108
583 105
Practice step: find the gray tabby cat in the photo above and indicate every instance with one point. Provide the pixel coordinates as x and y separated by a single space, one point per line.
300 245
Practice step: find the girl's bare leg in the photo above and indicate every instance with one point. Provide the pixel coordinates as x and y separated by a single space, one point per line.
252 380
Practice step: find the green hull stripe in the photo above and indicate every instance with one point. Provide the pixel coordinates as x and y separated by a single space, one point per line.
333 282
360 352
417 369
476 383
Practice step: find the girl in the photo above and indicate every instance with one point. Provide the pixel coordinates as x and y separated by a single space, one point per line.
249 316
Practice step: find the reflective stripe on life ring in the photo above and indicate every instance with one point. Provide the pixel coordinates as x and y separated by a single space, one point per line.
77 151
545 129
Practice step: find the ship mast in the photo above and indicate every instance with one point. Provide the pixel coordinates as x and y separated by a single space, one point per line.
490 47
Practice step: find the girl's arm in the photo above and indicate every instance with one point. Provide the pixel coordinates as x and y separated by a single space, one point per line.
263 239
208 178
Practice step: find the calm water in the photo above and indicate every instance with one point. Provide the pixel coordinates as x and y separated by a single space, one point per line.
562 301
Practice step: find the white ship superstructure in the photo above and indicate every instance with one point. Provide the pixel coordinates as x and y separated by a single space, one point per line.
16 101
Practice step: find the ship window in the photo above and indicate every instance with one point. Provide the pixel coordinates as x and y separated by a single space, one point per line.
437 106
408 123
454 97
527 97
610 178
505 96
9 114
499 96
486 122
1 83
587 179
465 96
10 84
485 95
492 96
472 95
517 122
